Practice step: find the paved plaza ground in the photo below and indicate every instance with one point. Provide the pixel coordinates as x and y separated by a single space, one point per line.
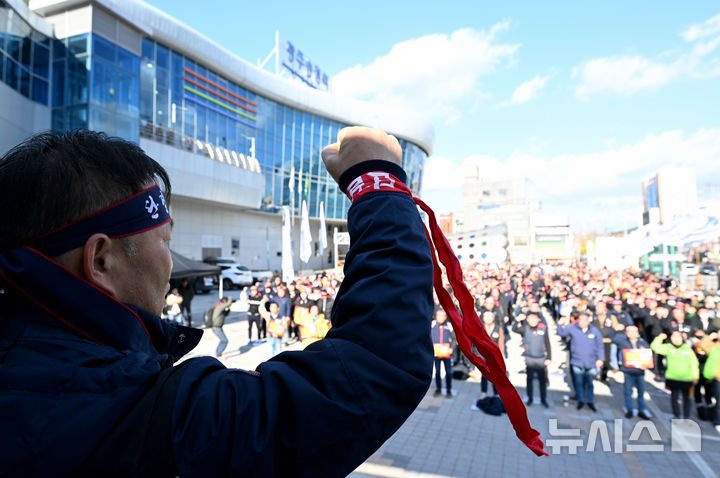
445 438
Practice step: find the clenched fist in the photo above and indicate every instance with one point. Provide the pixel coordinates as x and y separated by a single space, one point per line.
356 144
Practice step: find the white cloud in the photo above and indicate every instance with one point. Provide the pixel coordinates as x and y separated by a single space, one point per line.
599 187
441 173
621 168
702 30
434 74
625 75
528 90
629 74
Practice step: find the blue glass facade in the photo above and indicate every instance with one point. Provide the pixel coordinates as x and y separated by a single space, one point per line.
96 85
185 104
91 82
24 56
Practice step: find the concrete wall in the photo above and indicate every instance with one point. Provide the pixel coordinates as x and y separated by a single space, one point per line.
199 177
198 223
19 117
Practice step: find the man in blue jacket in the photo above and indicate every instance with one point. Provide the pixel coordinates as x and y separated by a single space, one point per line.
634 372
87 381
587 355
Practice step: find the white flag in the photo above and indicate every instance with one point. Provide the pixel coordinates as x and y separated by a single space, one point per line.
300 184
288 273
322 232
291 183
305 236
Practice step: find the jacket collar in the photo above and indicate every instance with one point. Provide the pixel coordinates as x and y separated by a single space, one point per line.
68 301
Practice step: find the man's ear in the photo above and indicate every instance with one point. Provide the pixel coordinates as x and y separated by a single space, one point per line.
100 261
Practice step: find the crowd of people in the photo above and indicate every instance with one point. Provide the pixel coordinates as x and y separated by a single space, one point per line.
613 325
280 313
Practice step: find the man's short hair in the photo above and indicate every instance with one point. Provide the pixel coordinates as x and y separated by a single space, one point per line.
54 178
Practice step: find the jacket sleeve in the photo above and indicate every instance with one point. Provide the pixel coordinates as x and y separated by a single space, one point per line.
658 346
519 328
599 346
325 410
548 348
563 330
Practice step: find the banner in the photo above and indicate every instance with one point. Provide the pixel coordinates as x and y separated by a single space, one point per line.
322 232
288 272
638 358
305 236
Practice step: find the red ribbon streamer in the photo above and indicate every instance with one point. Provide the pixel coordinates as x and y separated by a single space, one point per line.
468 329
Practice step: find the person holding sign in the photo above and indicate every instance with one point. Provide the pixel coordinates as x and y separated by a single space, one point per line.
636 357
276 325
443 340
313 326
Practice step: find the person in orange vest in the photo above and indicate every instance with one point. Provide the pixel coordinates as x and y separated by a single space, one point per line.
443 340
276 325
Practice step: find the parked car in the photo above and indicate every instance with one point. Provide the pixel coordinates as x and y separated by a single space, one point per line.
201 284
262 275
235 275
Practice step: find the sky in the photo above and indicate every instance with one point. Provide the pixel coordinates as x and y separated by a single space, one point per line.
585 99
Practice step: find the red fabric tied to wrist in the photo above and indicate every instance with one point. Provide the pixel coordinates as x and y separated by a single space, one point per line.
468 329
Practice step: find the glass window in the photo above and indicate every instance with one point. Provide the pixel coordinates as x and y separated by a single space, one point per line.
222 131
103 48
58 91
201 123
26 52
59 119
147 94
40 90
127 128
128 60
78 44
12 73
161 107
102 120
163 57
41 60
25 82
77 81
13 47
128 95
189 119
104 84
148 49
163 78
212 127
77 117
232 135
59 49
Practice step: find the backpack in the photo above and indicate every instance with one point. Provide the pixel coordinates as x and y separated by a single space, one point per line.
491 405
208 318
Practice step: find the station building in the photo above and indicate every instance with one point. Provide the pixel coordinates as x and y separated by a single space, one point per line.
230 134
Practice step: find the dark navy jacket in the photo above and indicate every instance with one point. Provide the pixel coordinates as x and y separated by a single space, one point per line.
623 342
585 347
317 413
536 340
